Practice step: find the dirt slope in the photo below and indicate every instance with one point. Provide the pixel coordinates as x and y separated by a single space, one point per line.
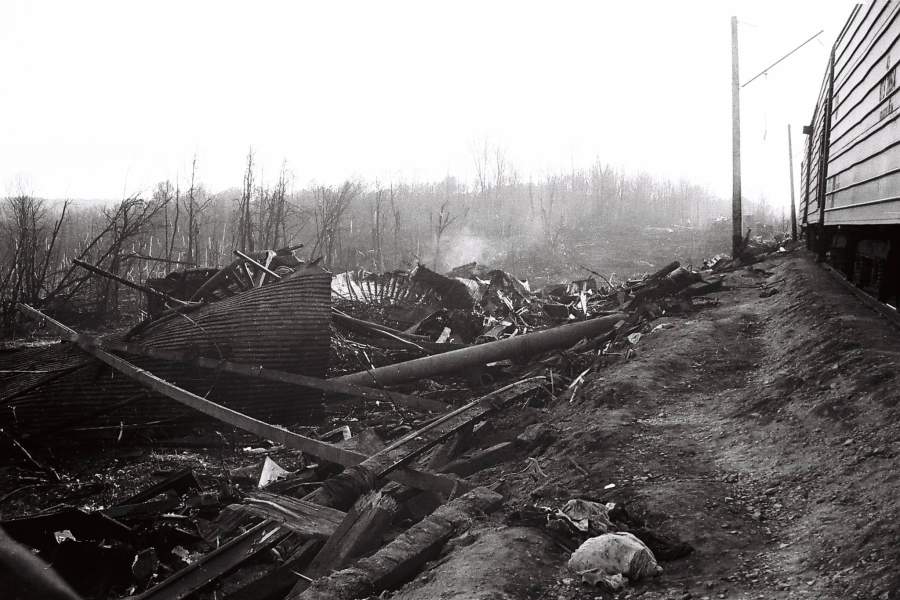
762 431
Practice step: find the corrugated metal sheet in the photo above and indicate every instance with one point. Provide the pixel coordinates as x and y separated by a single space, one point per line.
44 362
284 325
91 396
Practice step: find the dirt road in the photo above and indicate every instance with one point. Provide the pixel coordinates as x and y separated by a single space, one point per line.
762 431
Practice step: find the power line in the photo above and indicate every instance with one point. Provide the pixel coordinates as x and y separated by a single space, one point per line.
766 70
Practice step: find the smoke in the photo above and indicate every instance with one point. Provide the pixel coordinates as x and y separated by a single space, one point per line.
461 247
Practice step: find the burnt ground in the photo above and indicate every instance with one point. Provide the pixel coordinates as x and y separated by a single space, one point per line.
762 431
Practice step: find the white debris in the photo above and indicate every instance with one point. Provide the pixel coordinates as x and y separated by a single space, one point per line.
271 471
585 514
613 554
63 535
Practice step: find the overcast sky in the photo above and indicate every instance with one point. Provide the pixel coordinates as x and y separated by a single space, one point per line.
98 99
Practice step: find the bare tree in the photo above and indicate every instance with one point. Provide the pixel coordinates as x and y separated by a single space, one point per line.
129 219
480 156
330 207
552 230
243 234
501 166
377 229
163 194
397 215
442 221
273 212
196 203
174 221
25 228
279 199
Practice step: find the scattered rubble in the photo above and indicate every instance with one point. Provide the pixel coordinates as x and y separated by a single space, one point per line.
372 377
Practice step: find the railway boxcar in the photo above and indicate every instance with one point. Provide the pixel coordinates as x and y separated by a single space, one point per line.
850 175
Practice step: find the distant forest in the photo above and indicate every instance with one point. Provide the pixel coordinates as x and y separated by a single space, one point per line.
500 218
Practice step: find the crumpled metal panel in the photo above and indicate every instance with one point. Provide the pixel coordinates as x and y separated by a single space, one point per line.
285 325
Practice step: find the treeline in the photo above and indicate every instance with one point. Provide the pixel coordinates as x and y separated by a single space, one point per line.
500 218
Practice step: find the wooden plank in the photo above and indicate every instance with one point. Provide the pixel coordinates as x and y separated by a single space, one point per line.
383 463
402 558
264 269
321 450
449 424
309 519
261 278
360 532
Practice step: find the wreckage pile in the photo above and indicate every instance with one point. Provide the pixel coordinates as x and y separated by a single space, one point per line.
374 375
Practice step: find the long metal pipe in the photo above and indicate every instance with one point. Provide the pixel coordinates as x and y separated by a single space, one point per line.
458 360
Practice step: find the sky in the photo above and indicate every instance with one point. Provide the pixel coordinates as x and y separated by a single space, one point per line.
104 99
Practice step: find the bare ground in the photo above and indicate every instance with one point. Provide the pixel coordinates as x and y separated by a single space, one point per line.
762 431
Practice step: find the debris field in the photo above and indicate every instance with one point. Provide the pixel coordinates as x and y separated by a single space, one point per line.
271 430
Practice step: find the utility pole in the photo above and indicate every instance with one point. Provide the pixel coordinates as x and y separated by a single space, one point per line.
736 217
736 213
791 167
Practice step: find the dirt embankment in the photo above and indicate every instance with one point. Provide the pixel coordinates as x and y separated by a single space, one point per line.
763 432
